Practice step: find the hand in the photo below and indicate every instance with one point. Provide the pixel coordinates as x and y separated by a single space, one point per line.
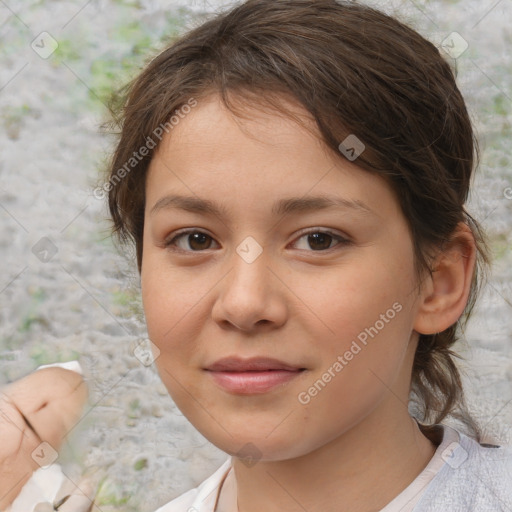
43 406
71 498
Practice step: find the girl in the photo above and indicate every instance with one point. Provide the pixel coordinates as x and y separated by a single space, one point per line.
293 174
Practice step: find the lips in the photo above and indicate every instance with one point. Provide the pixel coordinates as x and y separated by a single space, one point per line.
252 376
234 364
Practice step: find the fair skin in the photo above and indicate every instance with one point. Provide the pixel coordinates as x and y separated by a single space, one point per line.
41 407
303 300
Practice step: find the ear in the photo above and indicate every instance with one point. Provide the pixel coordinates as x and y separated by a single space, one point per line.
445 292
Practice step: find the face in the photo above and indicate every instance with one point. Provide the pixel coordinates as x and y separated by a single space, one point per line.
278 283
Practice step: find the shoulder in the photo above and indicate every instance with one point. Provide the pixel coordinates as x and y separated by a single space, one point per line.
203 497
489 464
474 477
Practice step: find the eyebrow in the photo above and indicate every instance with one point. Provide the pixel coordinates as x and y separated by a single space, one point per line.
282 207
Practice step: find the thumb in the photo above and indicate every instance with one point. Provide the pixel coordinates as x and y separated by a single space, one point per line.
79 498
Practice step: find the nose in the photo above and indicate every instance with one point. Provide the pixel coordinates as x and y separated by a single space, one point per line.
251 297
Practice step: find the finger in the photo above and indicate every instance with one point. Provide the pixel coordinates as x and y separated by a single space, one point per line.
76 504
51 400
43 406
18 443
80 500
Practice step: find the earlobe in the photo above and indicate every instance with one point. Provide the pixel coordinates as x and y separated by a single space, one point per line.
445 294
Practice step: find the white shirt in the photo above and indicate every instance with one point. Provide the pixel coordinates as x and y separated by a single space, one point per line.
462 476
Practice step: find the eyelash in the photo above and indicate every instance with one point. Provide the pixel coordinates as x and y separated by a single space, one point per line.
170 244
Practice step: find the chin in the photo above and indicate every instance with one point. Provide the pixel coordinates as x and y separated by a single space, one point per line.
253 446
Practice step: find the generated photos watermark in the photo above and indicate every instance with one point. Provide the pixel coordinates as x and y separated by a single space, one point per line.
150 143
356 347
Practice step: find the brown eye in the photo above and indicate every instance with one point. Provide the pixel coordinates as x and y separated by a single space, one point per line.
320 241
199 241
190 241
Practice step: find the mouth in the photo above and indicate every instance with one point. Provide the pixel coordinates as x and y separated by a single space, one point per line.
252 376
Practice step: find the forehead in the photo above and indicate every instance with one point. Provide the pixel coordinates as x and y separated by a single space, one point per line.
212 120
262 155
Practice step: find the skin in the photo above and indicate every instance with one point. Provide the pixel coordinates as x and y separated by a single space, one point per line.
43 406
353 446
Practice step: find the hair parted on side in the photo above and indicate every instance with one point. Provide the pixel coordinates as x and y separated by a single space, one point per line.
356 71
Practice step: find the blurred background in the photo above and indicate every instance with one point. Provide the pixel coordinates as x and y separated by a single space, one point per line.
67 293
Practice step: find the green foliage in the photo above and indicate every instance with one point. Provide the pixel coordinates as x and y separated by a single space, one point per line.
44 354
14 117
109 494
111 72
501 105
123 297
31 317
134 408
500 246
140 464
69 50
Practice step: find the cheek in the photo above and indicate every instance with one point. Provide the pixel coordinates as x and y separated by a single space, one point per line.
165 296
368 294
358 369
167 313
366 317
172 303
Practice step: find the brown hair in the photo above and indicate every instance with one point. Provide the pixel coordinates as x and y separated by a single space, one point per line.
356 71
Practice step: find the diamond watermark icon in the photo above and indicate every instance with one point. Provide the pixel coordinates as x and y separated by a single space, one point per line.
351 147
44 45
454 455
249 250
44 249
146 352
249 454
45 455
454 45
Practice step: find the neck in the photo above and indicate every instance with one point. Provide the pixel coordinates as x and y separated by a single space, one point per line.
360 471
